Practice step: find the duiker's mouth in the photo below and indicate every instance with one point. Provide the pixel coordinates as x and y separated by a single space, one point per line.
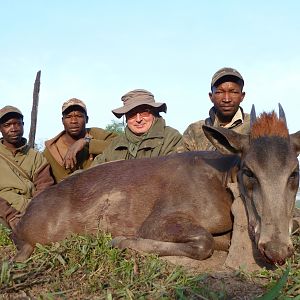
276 252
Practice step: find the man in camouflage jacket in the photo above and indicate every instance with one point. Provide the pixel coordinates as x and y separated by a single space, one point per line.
226 95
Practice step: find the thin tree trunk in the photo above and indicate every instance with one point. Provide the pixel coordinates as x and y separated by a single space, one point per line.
34 110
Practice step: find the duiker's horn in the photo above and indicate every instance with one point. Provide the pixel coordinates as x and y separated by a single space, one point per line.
252 116
281 113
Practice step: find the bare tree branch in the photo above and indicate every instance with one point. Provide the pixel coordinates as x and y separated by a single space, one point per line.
34 110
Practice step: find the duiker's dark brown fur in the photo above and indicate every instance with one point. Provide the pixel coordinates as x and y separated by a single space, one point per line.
175 205
162 199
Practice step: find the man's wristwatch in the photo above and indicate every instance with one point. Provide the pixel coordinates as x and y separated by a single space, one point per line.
87 139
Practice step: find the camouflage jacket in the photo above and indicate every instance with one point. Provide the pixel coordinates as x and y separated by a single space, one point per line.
100 140
194 138
16 188
160 140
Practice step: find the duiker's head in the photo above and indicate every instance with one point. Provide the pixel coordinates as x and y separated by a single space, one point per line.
268 179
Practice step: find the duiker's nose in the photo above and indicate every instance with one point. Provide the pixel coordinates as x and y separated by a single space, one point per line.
276 252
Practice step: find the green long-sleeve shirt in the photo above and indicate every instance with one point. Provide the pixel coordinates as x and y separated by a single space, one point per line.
160 140
15 188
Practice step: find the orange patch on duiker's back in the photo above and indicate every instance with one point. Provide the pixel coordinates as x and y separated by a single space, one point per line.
268 124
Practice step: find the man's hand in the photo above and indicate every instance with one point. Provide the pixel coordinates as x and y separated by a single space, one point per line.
70 160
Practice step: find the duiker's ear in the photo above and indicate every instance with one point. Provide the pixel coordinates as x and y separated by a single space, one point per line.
225 140
295 140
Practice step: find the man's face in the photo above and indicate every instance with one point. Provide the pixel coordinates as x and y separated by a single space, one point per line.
226 98
74 121
12 130
140 119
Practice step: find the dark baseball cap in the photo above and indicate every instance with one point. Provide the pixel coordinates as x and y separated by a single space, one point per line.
8 109
227 73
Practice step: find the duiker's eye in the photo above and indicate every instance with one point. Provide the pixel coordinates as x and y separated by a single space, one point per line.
248 173
294 175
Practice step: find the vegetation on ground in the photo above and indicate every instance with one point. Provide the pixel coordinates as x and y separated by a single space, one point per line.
86 267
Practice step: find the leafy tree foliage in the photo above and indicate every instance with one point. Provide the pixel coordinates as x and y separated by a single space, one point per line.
115 126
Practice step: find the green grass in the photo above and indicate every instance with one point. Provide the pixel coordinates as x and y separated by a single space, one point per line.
83 267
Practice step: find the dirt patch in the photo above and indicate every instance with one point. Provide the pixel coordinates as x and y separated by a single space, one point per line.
212 264
236 286
235 283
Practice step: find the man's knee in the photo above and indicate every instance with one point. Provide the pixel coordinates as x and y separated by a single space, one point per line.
9 216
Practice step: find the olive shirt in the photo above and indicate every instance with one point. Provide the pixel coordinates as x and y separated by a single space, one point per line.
14 187
160 140
100 140
194 138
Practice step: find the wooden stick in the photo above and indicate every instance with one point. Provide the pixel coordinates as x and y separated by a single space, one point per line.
34 110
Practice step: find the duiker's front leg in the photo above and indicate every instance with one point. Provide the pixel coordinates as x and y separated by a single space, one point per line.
171 235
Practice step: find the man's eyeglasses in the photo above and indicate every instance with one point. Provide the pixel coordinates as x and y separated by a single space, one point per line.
143 114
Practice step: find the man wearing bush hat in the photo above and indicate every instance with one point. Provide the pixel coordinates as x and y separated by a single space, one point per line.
24 171
76 146
226 95
146 133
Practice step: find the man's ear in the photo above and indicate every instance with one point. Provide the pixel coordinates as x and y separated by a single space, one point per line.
243 96
87 119
210 96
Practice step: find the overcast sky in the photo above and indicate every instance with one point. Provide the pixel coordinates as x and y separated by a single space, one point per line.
99 50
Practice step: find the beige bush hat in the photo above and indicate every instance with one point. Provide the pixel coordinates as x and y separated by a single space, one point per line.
9 109
73 102
136 98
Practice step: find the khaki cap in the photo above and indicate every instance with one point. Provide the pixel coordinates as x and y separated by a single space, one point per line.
9 109
136 98
73 102
224 72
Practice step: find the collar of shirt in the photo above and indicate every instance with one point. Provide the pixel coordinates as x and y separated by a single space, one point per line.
237 119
